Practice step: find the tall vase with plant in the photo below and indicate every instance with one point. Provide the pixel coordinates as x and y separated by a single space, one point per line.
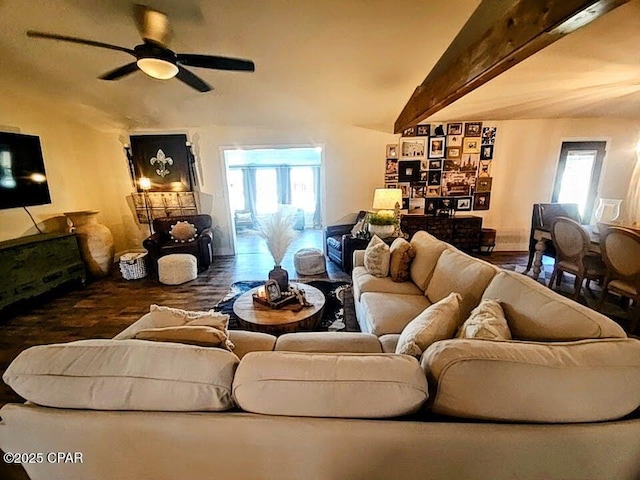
382 223
278 232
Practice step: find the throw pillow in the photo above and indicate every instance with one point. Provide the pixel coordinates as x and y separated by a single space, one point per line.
486 321
437 322
401 255
357 228
377 257
183 232
200 335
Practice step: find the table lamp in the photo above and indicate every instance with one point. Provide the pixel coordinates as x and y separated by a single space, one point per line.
389 200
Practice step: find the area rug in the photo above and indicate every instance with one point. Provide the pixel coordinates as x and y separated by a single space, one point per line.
339 308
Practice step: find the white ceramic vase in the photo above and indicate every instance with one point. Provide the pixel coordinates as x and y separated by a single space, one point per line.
95 240
382 231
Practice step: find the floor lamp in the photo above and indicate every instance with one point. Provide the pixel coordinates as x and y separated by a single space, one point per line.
145 186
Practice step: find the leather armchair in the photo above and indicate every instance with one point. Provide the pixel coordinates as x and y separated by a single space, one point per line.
160 243
340 244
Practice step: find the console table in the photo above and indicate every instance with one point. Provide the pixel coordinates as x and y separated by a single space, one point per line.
33 265
462 231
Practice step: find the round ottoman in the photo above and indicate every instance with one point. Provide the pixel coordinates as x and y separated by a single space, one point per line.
309 261
177 268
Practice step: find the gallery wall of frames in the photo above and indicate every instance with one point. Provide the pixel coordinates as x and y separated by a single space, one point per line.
442 166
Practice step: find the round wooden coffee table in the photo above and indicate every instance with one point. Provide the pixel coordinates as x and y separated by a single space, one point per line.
260 318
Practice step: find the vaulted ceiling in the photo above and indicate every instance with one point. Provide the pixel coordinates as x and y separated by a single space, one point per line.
329 61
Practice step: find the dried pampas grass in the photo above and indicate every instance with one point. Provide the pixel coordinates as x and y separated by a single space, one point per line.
278 232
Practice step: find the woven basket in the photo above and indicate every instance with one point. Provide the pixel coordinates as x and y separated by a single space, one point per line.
133 265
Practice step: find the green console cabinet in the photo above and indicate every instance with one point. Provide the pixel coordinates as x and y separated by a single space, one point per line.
33 265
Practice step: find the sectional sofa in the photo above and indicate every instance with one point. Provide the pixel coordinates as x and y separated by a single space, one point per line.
559 401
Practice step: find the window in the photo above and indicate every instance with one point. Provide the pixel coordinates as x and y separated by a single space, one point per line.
578 175
302 189
266 191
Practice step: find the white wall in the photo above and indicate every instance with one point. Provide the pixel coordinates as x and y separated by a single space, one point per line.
86 170
524 166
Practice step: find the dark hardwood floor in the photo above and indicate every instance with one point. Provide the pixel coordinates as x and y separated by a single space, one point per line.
106 306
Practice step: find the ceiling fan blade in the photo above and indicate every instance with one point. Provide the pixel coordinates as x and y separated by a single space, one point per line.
192 80
82 41
152 25
217 63
120 72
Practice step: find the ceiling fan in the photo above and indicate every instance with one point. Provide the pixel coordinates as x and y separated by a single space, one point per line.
154 57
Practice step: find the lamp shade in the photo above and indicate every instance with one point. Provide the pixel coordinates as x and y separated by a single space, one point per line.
387 198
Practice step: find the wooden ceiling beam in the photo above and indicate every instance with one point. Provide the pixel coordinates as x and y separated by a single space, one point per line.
526 28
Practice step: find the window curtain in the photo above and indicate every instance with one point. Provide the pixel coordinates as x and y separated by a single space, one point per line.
284 185
317 214
250 189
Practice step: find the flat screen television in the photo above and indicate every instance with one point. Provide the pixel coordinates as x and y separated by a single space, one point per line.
23 180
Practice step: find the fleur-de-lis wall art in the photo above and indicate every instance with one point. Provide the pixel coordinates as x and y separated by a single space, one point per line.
165 159
162 160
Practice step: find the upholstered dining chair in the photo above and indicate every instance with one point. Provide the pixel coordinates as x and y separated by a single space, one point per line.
621 254
572 243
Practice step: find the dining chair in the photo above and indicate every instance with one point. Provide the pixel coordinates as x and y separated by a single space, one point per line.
621 254
572 244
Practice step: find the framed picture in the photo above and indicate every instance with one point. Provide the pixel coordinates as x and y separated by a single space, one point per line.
463 204
431 206
424 164
435 164
435 178
436 147
455 184
433 191
412 147
406 189
454 128
486 152
165 159
437 130
272 290
405 203
391 178
471 145
454 152
483 184
481 201
489 135
454 141
473 129
423 175
391 167
451 165
418 191
445 203
390 185
484 169
392 151
416 205
469 163
422 130
409 171
409 132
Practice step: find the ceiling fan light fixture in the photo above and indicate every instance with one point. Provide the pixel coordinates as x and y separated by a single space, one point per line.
158 68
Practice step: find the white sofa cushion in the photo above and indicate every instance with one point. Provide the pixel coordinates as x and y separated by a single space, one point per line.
534 312
377 257
486 321
329 385
363 282
438 322
585 381
461 273
390 313
245 342
329 342
124 375
428 249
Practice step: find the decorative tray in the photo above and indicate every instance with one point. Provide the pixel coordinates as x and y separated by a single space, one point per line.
279 303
